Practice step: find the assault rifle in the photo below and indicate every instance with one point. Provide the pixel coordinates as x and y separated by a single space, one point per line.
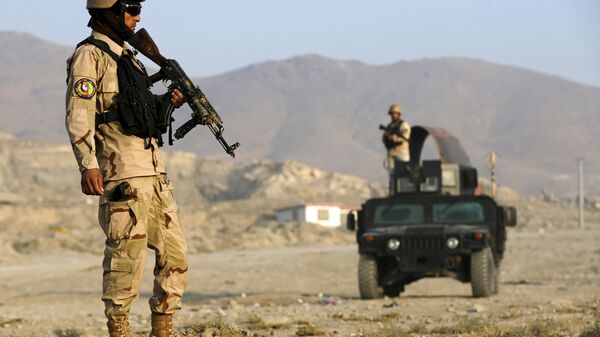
202 111
393 131
389 144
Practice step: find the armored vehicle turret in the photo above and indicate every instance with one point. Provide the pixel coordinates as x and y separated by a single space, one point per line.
434 223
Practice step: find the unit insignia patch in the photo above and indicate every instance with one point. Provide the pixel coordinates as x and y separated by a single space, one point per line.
85 88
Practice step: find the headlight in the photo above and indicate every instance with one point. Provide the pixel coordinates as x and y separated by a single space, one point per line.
452 242
393 244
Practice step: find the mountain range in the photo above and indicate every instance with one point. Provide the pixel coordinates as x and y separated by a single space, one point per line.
325 112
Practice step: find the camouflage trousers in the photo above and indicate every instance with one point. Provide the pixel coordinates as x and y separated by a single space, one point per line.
143 215
390 161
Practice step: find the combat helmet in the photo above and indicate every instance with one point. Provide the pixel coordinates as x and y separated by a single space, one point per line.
394 108
112 14
102 4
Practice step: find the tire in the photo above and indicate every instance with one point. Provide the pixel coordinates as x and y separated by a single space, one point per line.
484 274
368 278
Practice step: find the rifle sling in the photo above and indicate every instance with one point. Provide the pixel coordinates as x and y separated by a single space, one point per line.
101 45
107 117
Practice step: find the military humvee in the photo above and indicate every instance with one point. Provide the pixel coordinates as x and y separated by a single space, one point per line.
434 223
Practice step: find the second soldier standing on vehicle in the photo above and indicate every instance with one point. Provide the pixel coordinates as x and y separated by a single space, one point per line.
396 138
111 122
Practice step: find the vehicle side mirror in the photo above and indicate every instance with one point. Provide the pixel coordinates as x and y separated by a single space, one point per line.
510 214
351 221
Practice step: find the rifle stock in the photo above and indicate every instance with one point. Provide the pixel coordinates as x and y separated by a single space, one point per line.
143 43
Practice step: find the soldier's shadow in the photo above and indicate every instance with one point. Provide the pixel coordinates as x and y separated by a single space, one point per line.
437 296
193 297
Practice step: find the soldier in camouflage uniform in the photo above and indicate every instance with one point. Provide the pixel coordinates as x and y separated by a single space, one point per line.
396 138
137 208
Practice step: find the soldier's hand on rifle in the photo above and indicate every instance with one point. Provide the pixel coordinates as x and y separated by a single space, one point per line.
91 182
177 98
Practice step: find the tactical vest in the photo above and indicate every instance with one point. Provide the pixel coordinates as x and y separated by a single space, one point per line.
136 108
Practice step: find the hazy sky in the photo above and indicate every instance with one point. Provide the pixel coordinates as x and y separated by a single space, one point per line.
560 37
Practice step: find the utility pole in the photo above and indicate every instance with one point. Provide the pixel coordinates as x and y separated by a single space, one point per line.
493 174
581 194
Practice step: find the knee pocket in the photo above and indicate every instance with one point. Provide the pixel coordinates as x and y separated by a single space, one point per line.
119 277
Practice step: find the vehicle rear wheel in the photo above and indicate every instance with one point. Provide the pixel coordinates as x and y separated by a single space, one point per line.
484 274
368 277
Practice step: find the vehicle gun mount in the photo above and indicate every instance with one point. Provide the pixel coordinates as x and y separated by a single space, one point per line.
451 175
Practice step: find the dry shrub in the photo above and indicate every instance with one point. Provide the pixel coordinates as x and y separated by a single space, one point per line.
593 331
215 329
255 322
308 330
463 326
388 317
419 328
546 328
350 317
67 333
390 332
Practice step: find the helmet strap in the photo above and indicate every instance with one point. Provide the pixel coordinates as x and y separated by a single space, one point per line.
124 32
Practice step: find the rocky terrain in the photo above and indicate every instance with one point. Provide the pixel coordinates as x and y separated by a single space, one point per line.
324 112
224 204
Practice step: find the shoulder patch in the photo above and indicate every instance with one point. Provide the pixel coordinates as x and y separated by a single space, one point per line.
85 88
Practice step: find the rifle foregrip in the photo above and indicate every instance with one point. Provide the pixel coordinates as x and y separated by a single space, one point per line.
185 128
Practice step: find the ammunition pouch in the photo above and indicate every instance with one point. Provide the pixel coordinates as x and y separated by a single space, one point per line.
137 105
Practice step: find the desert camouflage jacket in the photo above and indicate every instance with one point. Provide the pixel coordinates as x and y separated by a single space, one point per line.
92 88
402 149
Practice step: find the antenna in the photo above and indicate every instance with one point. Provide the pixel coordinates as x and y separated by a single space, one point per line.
581 194
493 159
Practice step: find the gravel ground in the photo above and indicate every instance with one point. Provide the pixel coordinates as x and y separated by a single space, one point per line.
550 284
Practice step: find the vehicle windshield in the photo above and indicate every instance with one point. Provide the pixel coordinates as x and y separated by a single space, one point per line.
459 212
389 215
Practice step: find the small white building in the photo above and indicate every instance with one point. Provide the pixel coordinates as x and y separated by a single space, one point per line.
328 215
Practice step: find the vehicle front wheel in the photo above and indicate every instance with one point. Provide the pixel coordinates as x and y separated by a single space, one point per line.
368 278
484 273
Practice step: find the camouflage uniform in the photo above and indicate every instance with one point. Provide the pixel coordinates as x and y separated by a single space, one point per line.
148 215
400 152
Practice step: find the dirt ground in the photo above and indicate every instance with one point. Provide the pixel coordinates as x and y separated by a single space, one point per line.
550 280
